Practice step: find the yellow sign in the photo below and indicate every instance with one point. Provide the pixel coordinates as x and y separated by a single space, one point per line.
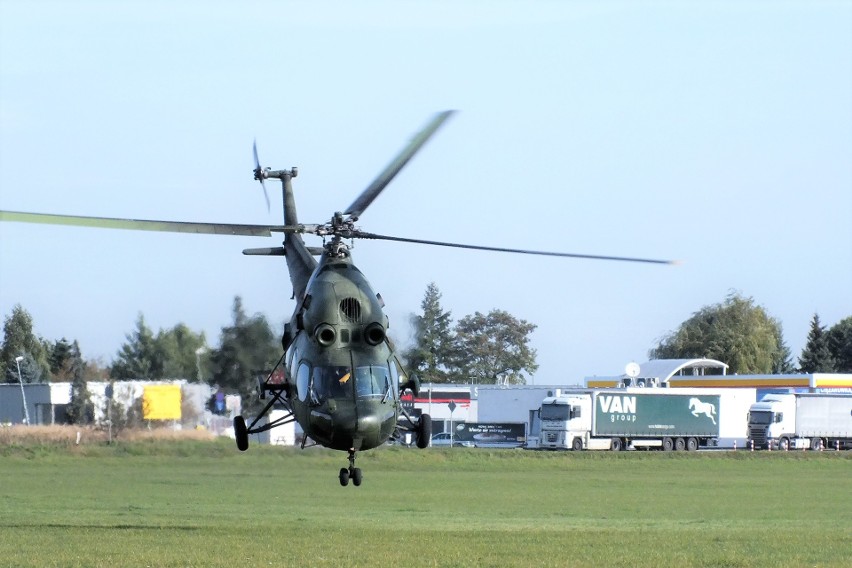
161 402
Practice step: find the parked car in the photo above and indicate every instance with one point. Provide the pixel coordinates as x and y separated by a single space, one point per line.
444 439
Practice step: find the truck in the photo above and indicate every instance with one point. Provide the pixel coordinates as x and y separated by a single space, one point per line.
645 418
801 421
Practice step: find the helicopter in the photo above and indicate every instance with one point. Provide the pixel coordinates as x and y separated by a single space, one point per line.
342 378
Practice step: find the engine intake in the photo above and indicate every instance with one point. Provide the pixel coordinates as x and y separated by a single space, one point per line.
325 334
374 333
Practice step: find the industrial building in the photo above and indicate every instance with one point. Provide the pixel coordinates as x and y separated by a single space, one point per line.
710 373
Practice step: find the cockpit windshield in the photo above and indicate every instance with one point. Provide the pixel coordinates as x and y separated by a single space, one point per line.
373 381
332 382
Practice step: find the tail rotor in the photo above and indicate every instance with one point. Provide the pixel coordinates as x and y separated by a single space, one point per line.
260 174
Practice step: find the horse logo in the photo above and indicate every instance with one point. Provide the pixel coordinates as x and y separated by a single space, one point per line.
706 408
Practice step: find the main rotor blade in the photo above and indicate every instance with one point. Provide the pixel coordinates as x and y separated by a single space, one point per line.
374 189
146 225
364 235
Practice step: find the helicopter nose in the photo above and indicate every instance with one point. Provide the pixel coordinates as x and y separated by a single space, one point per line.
368 421
375 424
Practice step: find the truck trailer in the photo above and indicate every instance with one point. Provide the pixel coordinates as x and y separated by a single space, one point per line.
646 418
801 421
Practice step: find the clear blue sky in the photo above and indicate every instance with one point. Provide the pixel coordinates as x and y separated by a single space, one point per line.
717 133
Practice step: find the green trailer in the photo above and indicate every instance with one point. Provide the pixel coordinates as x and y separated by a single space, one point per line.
658 414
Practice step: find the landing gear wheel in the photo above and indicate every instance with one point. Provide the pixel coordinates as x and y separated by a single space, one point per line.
680 444
577 444
668 444
691 444
241 433
351 472
424 431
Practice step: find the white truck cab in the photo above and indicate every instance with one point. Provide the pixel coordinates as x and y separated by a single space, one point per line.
566 424
771 419
564 421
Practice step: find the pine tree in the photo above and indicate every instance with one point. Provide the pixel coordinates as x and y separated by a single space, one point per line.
245 348
19 340
428 356
784 361
816 356
60 360
137 358
840 344
81 410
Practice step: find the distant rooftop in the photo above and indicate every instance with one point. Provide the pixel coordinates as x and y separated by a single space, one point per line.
661 370
664 369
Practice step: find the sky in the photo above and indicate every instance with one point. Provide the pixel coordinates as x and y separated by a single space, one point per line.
714 133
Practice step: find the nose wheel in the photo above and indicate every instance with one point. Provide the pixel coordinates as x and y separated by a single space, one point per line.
353 473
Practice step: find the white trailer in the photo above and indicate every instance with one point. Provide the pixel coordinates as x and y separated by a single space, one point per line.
801 421
648 418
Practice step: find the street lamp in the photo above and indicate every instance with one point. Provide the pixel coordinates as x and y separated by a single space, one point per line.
18 360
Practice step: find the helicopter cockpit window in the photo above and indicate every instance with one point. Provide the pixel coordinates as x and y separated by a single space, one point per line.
372 381
332 382
292 359
397 376
303 376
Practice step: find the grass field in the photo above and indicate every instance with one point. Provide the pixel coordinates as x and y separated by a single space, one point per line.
201 503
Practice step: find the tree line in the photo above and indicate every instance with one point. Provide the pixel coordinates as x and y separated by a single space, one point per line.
492 348
742 334
495 348
247 346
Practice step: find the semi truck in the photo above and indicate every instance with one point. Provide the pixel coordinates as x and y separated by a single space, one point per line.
801 421
634 418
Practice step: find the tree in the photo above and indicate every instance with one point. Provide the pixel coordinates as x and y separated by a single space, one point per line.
80 410
19 340
816 355
122 409
169 354
736 331
176 352
137 359
60 358
840 345
784 362
246 348
492 349
431 351
96 369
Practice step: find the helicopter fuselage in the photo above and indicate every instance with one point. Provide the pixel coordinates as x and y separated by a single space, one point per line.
342 374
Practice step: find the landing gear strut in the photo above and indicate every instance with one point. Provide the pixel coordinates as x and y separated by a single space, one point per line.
353 473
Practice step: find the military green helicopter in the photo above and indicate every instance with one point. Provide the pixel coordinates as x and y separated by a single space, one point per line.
342 379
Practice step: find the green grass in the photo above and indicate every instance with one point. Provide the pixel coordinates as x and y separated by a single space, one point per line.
205 504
